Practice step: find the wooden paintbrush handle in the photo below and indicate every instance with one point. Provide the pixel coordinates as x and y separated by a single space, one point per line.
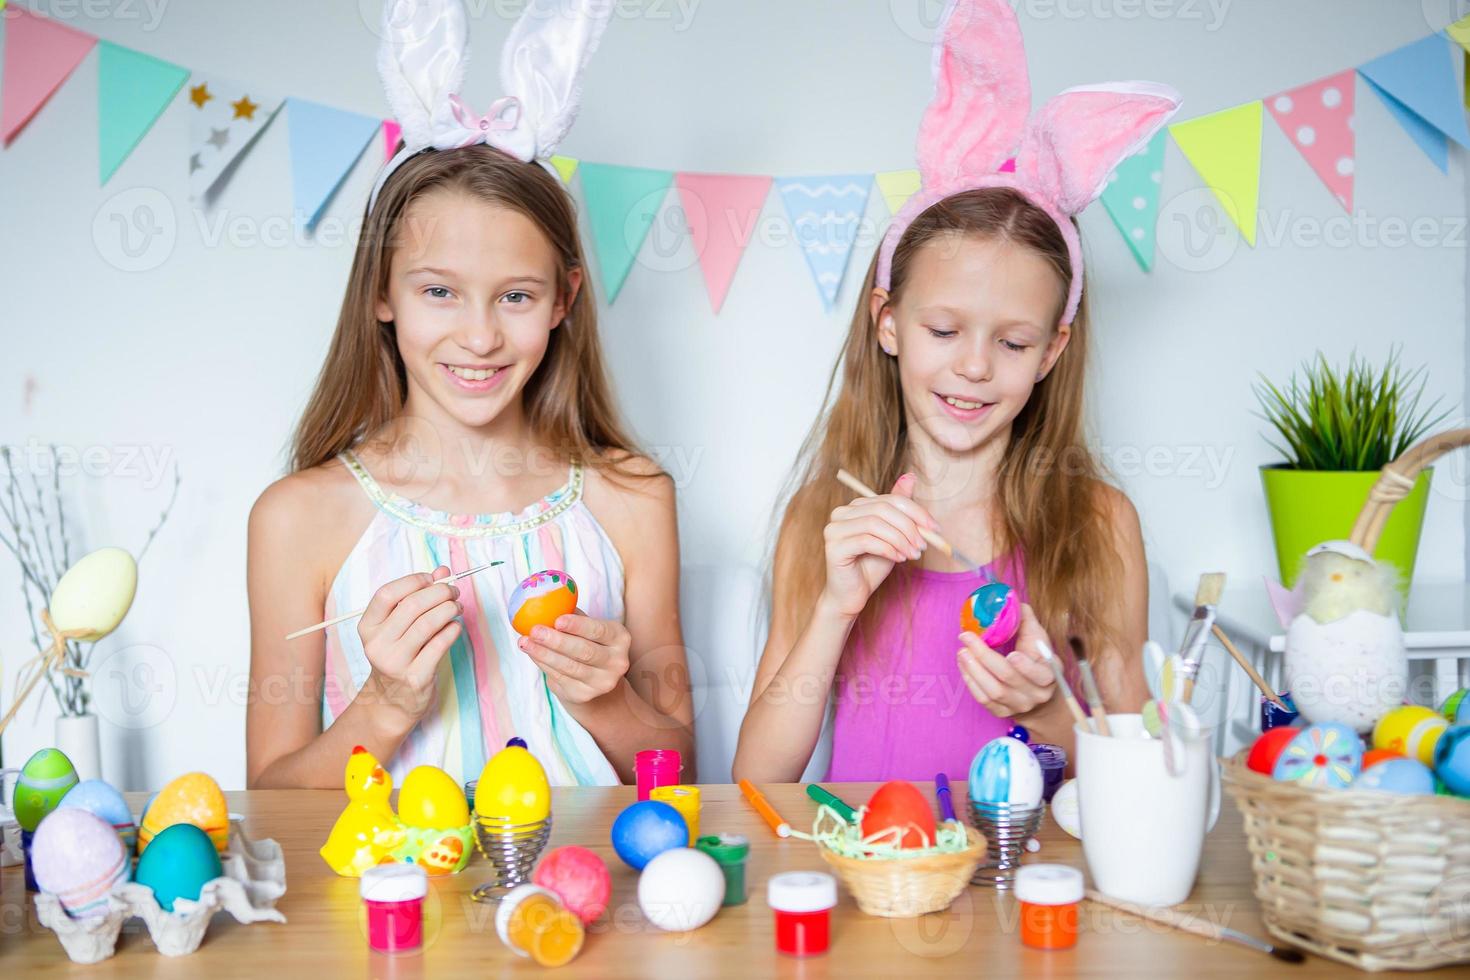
1165 916
863 490
1250 671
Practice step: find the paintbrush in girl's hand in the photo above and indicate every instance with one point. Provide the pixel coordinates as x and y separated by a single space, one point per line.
353 615
933 537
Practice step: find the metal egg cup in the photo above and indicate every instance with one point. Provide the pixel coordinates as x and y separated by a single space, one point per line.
512 849
1007 828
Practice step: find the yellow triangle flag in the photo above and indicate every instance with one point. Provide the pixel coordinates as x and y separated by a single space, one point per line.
565 166
1459 31
897 186
1225 148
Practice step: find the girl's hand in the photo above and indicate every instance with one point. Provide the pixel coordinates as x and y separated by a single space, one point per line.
866 538
1008 686
583 658
408 627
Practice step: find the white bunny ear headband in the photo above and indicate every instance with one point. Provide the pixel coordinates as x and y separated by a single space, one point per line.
422 61
980 115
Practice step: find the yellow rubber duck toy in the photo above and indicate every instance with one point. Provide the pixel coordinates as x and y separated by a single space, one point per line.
367 831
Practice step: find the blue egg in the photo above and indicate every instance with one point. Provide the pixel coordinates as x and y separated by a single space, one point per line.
1452 759
99 797
1006 771
1327 755
178 863
647 829
1409 777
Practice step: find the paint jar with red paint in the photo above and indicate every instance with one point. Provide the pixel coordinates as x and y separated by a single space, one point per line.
803 902
393 899
656 767
1048 895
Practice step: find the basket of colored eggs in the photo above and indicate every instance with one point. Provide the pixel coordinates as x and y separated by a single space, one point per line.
1361 853
894 857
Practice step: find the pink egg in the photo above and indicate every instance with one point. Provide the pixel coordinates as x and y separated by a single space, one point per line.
579 877
78 857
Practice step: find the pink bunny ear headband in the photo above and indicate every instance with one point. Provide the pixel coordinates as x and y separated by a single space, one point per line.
422 61
979 117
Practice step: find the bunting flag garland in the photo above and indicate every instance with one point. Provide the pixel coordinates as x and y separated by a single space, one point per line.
722 211
621 205
1225 149
1132 198
897 186
392 134
566 167
1417 83
133 89
225 118
825 213
1318 120
325 143
39 55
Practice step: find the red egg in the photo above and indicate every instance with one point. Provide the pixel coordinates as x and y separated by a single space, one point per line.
579 877
900 804
1271 744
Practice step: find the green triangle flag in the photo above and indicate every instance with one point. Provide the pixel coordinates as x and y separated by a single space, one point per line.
621 205
566 167
1132 198
133 88
1225 148
897 186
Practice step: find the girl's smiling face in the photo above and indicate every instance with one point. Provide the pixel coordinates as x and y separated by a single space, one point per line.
473 295
974 329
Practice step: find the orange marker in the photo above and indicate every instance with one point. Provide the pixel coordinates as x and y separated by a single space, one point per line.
768 813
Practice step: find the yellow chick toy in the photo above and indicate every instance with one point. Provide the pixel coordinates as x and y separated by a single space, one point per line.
1339 578
367 829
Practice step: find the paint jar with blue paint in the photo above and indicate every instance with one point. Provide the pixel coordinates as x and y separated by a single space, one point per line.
1273 716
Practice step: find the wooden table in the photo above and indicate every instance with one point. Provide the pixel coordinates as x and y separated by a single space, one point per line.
976 937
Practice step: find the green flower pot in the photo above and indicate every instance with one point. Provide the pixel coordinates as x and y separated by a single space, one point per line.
1308 507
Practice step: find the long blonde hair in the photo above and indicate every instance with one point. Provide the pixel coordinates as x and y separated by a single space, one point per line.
568 400
1049 507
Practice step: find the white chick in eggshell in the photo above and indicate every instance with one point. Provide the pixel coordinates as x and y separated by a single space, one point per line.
1339 578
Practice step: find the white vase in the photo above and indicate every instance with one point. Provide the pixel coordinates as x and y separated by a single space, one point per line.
76 735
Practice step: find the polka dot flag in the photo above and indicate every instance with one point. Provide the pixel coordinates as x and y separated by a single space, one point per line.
1132 198
1318 120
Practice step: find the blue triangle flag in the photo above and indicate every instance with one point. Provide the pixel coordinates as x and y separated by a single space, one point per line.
1132 198
325 143
825 213
1420 78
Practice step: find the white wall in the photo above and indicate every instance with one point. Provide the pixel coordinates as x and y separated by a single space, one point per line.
208 357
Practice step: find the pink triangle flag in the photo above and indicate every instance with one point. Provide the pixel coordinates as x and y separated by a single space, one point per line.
1318 120
39 55
722 211
392 132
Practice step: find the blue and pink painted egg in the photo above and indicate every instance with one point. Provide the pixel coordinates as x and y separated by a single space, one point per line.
78 857
1006 771
100 798
1328 755
993 611
540 598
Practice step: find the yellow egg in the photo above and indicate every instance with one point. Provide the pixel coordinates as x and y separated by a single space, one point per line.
192 798
1412 730
513 788
95 593
432 800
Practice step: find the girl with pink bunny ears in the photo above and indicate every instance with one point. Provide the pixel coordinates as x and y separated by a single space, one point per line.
961 387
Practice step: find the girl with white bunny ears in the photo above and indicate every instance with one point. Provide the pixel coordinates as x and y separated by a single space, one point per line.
463 416
961 387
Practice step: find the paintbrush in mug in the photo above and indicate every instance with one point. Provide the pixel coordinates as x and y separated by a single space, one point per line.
1090 689
353 615
1063 686
1185 923
933 537
1197 632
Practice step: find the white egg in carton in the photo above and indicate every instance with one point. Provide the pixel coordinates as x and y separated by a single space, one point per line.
254 879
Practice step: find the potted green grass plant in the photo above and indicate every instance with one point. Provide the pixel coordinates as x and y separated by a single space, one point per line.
1336 428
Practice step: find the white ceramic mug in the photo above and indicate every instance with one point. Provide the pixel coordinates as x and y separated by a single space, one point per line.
1142 828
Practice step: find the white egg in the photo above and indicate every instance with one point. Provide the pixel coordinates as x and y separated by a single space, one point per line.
681 889
95 593
1065 809
1353 671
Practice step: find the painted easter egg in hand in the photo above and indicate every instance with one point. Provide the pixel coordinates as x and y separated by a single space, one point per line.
901 813
431 799
1411 730
1452 760
540 599
178 863
78 857
577 875
194 798
95 594
645 830
513 788
101 799
1408 777
1328 755
1267 748
1456 707
993 611
681 889
45 779
1006 771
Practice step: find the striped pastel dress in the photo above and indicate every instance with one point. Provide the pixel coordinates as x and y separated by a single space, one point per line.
488 690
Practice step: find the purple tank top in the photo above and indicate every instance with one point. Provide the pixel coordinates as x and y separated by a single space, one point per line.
901 707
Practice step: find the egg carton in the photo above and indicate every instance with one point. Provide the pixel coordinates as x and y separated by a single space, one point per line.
254 879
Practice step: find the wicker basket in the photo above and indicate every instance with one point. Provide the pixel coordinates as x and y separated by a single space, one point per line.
899 888
1375 880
